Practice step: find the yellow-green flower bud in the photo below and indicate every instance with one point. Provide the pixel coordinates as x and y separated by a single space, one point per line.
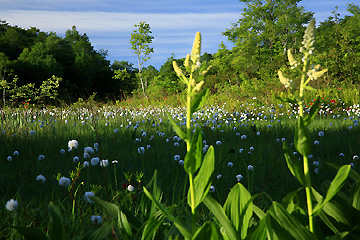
195 52
187 63
284 80
177 69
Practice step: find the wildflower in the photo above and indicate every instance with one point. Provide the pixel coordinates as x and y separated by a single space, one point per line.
11 205
141 150
62 151
251 148
86 155
218 142
87 197
9 158
239 177
356 157
218 176
130 188
64 182
237 134
212 188
230 164
94 161
96 219
176 144
243 137
283 139
16 153
321 134
258 133
316 163
104 163
316 170
116 130
40 178
96 145
89 150
316 142
277 140
73 144
177 157
75 159
341 155
32 132
250 167
181 162
86 164
41 157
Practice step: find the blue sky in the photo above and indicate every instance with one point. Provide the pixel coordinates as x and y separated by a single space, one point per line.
109 23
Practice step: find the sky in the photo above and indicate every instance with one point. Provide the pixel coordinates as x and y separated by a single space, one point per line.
109 23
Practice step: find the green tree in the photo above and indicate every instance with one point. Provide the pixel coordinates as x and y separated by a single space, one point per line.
140 42
264 32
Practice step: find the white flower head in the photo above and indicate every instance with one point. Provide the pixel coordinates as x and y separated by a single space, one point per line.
86 164
11 205
250 167
89 150
218 142
141 150
96 219
104 163
230 164
87 197
40 178
64 182
212 188
73 144
130 188
75 159
239 177
218 176
94 161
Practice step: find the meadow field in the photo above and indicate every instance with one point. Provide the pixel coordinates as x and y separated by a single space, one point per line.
118 149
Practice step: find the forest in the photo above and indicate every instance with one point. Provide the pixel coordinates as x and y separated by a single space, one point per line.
39 67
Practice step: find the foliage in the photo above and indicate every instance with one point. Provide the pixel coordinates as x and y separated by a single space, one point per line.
140 42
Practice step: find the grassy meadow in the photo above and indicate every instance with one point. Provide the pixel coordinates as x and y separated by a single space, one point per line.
137 141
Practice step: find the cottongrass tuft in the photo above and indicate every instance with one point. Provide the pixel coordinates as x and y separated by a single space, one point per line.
104 163
40 178
11 205
130 188
64 182
73 144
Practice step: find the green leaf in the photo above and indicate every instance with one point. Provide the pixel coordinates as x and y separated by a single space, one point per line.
152 225
310 88
57 231
286 99
147 206
289 202
176 222
208 231
216 209
31 233
355 195
291 224
193 156
100 233
259 213
302 139
113 209
198 101
294 164
260 232
177 129
352 175
238 207
202 180
335 186
313 111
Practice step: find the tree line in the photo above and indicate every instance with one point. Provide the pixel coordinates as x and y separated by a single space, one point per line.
261 37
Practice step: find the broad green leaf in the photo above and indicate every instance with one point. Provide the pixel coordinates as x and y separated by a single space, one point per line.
339 236
152 225
352 175
216 209
310 88
286 99
335 186
198 101
202 180
259 213
147 206
291 224
57 231
113 209
177 129
289 202
31 233
193 156
100 233
173 219
355 195
312 114
208 231
302 139
294 165
260 232
237 210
